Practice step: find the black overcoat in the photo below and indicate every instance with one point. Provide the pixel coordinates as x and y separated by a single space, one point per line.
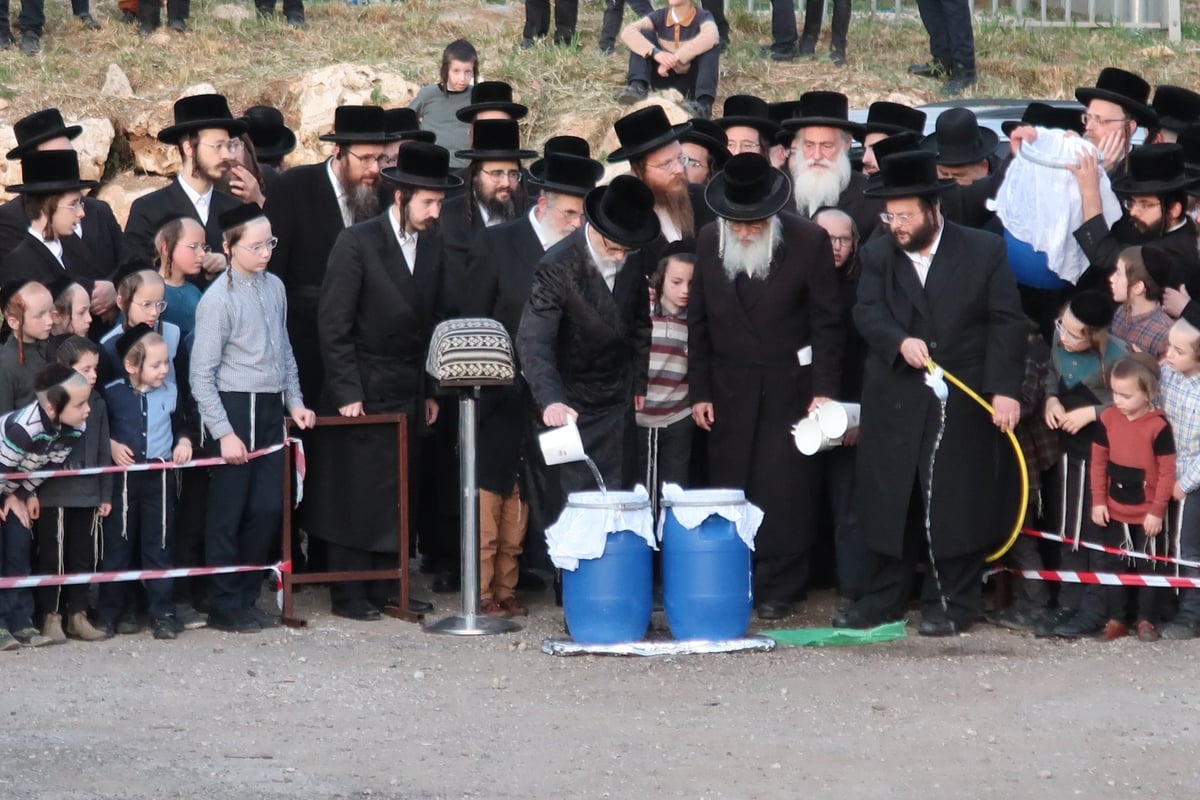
460 230
374 324
31 260
743 357
581 344
969 315
100 245
151 211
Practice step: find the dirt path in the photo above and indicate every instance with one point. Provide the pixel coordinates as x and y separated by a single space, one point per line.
344 709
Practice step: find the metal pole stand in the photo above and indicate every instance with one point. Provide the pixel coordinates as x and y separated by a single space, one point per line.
465 354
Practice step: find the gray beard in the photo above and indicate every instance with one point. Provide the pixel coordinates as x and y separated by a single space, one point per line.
363 202
753 260
819 188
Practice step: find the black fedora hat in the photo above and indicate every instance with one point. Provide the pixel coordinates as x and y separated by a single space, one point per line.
623 212
889 118
1044 115
50 172
908 175
40 126
748 189
199 112
1176 107
1189 140
748 111
565 174
402 123
823 110
644 131
239 215
424 165
563 145
358 125
1154 169
711 137
1126 90
495 140
958 138
784 109
491 96
905 142
272 138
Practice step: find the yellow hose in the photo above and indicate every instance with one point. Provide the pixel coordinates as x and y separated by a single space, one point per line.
1016 446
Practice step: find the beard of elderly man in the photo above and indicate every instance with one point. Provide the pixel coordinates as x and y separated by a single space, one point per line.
820 168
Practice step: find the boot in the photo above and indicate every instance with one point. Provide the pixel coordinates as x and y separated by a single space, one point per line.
962 78
149 17
52 629
78 627
840 24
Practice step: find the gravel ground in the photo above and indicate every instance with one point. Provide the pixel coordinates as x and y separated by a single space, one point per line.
343 709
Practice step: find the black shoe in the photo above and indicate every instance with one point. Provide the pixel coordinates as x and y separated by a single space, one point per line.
530 581
176 25
852 617
1013 618
88 21
961 79
781 54
447 583
1050 619
1081 626
773 611
6 40
937 626
415 605
930 69
31 43
838 57
527 43
363 613
147 29
265 619
129 17
237 622
807 47
296 20
107 627
129 624
164 628
1184 626
606 50
700 108
635 92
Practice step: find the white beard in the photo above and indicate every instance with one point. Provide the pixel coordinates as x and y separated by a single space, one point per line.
815 188
753 259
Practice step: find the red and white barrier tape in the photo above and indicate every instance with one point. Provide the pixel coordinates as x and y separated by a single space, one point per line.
1104 578
1103 548
123 575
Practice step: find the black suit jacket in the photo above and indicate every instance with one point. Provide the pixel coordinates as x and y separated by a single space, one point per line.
459 233
500 272
94 257
150 212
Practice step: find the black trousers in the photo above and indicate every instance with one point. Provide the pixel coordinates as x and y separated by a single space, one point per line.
614 12
1112 602
951 38
150 15
850 551
138 534
814 10
291 8
783 26
717 9
245 503
65 546
347 594
190 513
537 19
699 81
32 17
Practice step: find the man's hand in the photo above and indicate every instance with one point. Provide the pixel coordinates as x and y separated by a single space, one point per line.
1175 300
702 415
1021 133
104 298
558 414
1113 147
431 410
233 450
352 410
1086 172
243 185
818 401
915 352
304 418
1007 412
213 263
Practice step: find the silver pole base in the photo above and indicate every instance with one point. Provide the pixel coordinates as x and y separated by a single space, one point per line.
472 625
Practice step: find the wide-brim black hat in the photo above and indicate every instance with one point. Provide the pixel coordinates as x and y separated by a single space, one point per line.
748 111
201 112
402 123
491 96
50 172
905 142
748 189
890 118
565 174
40 126
1189 140
623 212
272 138
643 132
711 137
1154 169
908 174
563 145
424 165
1176 107
1125 89
824 110
496 140
1044 115
959 139
358 125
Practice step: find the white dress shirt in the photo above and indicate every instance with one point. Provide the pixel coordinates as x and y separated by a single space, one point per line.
340 193
54 245
408 241
543 236
922 263
607 269
201 202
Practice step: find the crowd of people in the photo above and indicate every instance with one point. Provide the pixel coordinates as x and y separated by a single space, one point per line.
683 316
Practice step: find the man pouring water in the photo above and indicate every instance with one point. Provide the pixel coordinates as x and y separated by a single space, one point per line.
584 339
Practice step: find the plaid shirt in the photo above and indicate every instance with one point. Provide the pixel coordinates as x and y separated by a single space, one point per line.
1147 332
1038 443
1180 399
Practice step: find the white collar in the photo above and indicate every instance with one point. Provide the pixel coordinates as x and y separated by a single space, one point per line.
55 246
917 258
542 235
195 196
607 273
403 237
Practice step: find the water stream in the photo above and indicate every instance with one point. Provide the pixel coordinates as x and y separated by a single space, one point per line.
596 474
937 578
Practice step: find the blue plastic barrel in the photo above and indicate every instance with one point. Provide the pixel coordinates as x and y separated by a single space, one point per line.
608 600
706 571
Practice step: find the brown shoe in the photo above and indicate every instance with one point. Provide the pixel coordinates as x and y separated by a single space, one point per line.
52 629
514 608
1114 630
1146 632
491 608
78 627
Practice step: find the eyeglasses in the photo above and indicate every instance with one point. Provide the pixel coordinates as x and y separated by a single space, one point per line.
1063 333
1092 119
887 218
677 162
261 247
1137 204
839 242
387 161
613 247
570 214
689 162
74 208
744 146
230 146
148 305
512 175
370 160
196 248
826 148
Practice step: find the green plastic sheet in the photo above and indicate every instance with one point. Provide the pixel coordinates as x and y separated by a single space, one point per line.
838 637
